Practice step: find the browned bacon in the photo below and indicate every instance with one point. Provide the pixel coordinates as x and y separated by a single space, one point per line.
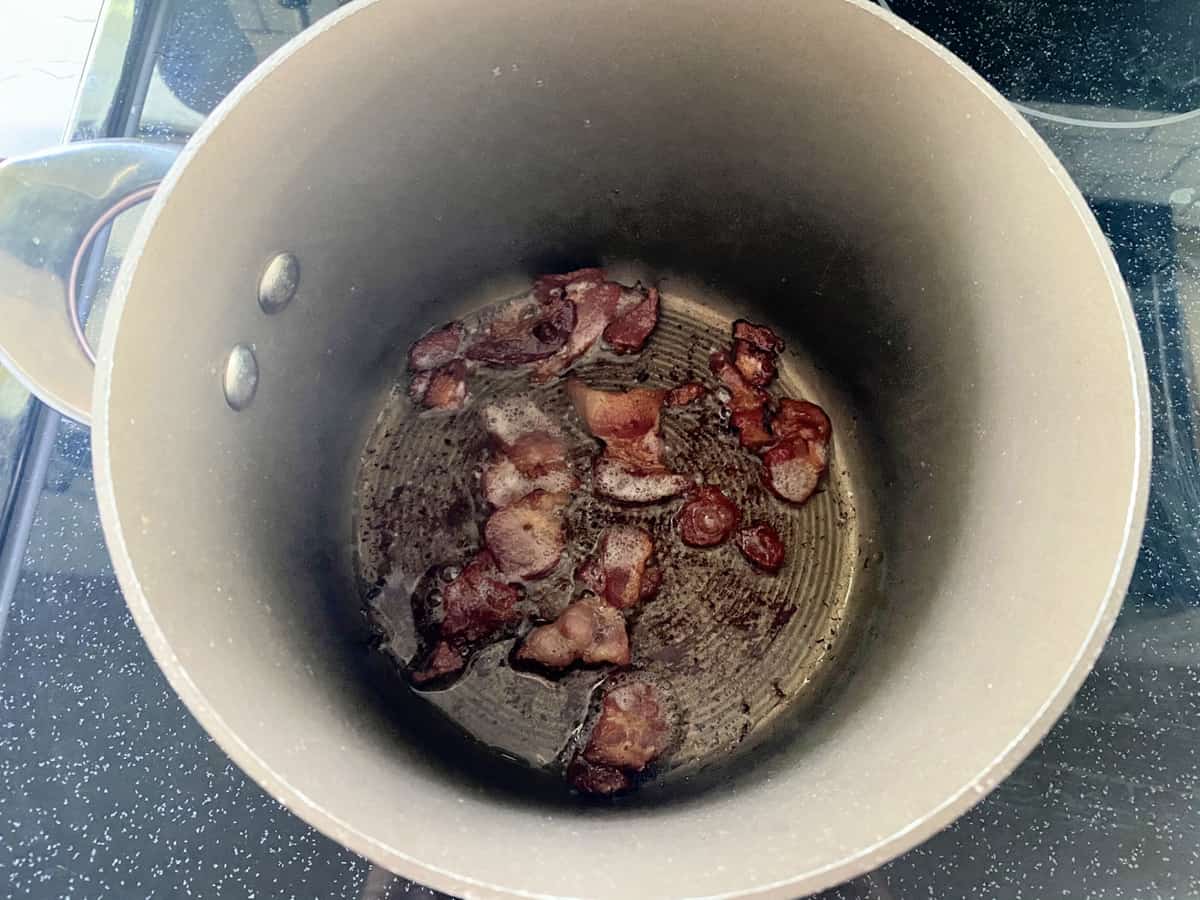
527 537
761 544
623 570
588 631
708 518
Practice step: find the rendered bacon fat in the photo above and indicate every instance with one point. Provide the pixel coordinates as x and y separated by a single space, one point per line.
588 631
761 544
708 518
527 537
623 570
631 468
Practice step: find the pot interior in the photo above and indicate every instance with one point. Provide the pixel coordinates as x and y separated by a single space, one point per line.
811 165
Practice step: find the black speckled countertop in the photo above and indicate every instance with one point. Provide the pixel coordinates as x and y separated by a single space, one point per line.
110 789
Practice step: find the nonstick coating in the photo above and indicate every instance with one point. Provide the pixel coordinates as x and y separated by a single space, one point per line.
733 649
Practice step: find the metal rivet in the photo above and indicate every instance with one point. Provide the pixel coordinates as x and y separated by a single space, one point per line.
279 282
241 377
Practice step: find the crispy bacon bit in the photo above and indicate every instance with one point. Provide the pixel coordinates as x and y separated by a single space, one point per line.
761 544
799 418
418 386
708 517
631 469
760 336
595 306
443 661
478 603
588 631
523 462
546 287
504 482
616 415
601 780
686 393
629 330
751 425
747 402
527 537
507 422
436 349
626 484
622 571
742 394
447 387
756 365
632 730
524 332
792 468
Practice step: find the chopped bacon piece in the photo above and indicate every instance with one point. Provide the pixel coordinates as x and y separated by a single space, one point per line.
629 330
686 393
619 415
632 730
602 780
747 402
525 332
708 517
751 425
418 386
631 469
794 464
756 365
478 603
523 462
436 348
504 482
799 418
618 481
742 394
622 571
792 468
447 386
760 336
506 423
545 287
588 631
595 305
443 661
527 537
761 544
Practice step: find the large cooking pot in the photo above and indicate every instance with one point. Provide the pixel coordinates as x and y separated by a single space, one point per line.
821 164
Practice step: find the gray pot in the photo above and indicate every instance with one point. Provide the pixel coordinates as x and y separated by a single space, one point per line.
820 166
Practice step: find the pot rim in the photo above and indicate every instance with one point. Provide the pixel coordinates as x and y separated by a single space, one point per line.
811 881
